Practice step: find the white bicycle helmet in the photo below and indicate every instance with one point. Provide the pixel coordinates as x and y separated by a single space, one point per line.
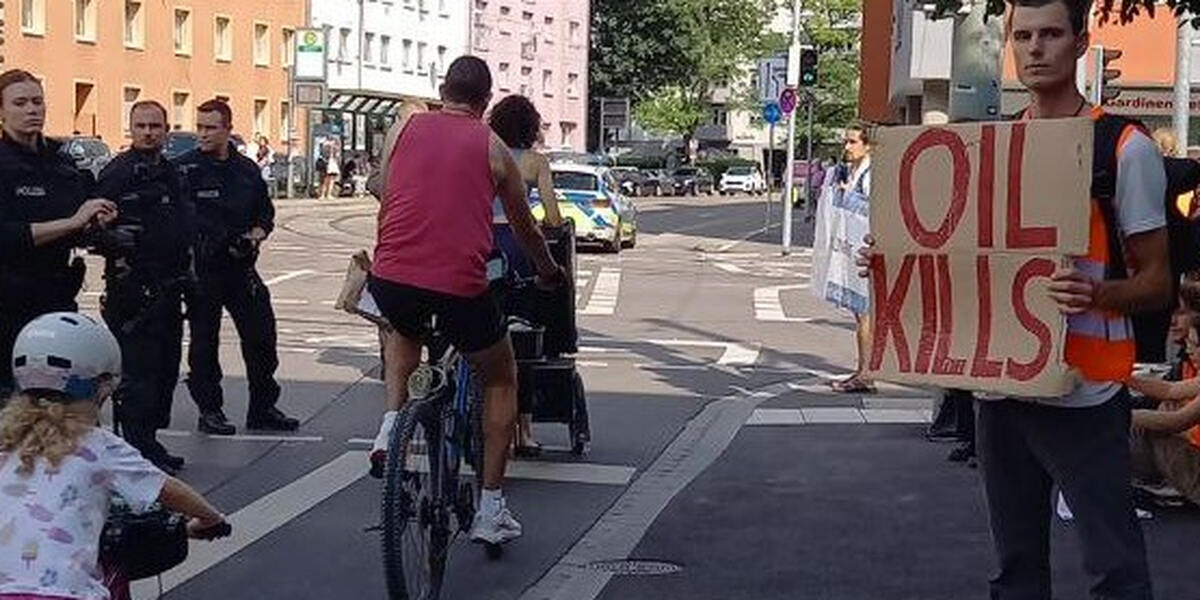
69 353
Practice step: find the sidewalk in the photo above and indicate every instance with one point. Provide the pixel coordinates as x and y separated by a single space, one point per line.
850 512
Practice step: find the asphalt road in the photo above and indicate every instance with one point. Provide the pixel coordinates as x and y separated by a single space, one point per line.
719 456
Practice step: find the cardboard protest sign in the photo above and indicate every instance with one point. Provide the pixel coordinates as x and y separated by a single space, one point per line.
842 221
970 221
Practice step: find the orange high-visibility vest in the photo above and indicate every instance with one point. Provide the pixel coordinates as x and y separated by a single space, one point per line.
1100 343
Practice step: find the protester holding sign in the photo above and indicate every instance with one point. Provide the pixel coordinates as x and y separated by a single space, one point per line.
989 281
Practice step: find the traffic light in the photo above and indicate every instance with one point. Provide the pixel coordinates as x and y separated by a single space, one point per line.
1103 75
1108 76
808 66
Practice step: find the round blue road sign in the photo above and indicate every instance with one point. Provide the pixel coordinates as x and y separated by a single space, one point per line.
772 113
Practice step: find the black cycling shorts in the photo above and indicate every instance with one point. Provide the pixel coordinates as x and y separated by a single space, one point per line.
471 324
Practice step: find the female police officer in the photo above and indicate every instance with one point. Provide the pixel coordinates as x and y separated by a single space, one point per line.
43 214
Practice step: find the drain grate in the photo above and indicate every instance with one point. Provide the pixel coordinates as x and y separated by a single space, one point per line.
633 566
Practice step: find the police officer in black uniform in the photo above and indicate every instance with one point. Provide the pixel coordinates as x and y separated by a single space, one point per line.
148 266
43 213
234 215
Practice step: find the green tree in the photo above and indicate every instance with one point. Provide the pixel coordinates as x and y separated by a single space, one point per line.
716 38
636 48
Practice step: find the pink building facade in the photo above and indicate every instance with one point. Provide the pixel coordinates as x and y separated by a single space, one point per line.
539 48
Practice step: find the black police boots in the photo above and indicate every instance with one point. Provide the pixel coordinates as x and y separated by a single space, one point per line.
214 422
271 420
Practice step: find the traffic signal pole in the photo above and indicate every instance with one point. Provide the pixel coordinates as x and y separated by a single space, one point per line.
1183 91
789 172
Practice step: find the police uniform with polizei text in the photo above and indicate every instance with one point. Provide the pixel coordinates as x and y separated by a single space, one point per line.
36 186
231 198
148 268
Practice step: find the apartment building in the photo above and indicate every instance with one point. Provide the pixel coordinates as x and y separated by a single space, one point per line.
539 48
380 53
97 57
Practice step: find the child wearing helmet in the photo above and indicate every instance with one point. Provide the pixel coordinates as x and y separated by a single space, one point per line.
59 469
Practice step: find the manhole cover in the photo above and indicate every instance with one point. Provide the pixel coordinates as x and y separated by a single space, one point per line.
636 567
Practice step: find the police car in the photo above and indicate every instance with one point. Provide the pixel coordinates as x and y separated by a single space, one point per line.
589 197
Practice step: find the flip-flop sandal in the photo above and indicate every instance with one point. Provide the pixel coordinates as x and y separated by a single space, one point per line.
853 386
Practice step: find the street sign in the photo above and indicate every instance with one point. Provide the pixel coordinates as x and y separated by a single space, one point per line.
772 77
772 113
787 100
614 113
311 93
310 55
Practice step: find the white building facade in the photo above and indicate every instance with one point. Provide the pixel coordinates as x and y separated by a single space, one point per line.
381 53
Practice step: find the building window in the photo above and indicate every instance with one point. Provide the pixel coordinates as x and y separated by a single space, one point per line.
385 51
527 17
85 20
285 123
369 48
422 68
285 47
526 72
262 45
262 120
85 108
504 10
181 111
183 32
135 24
406 56
33 17
504 77
574 32
572 85
548 82
441 62
567 131
422 7
129 97
223 39
343 45
442 8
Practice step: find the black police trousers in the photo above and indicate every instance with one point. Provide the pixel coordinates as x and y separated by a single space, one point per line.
150 333
242 292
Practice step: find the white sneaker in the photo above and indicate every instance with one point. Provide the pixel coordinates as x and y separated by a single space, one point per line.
498 528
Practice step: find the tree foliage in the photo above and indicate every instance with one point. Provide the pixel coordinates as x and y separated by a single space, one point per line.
668 56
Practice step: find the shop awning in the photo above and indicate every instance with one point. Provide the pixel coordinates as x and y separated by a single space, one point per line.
368 102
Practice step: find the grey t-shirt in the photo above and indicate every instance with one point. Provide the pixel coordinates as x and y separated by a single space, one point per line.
1141 188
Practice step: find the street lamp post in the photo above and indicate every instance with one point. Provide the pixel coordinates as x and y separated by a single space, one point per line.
793 79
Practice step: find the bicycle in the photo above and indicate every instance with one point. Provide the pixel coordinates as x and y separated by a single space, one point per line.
426 503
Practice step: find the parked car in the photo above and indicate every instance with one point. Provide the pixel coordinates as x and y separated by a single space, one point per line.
88 153
180 143
590 197
746 179
657 181
634 182
691 181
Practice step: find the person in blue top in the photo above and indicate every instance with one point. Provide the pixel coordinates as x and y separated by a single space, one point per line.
517 122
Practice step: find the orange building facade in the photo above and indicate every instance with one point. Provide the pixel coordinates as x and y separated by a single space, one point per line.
1147 67
97 57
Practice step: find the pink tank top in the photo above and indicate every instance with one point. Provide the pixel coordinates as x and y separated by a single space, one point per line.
435 225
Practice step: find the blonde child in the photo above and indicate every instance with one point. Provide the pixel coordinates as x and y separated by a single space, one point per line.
59 470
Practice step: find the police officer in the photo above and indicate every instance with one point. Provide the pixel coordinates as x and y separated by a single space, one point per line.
148 257
234 215
43 212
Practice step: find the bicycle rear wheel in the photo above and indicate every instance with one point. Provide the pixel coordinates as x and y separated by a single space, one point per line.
415 512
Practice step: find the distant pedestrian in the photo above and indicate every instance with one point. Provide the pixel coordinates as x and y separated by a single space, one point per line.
857 145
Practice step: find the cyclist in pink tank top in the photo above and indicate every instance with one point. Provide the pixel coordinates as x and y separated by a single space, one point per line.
435 235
